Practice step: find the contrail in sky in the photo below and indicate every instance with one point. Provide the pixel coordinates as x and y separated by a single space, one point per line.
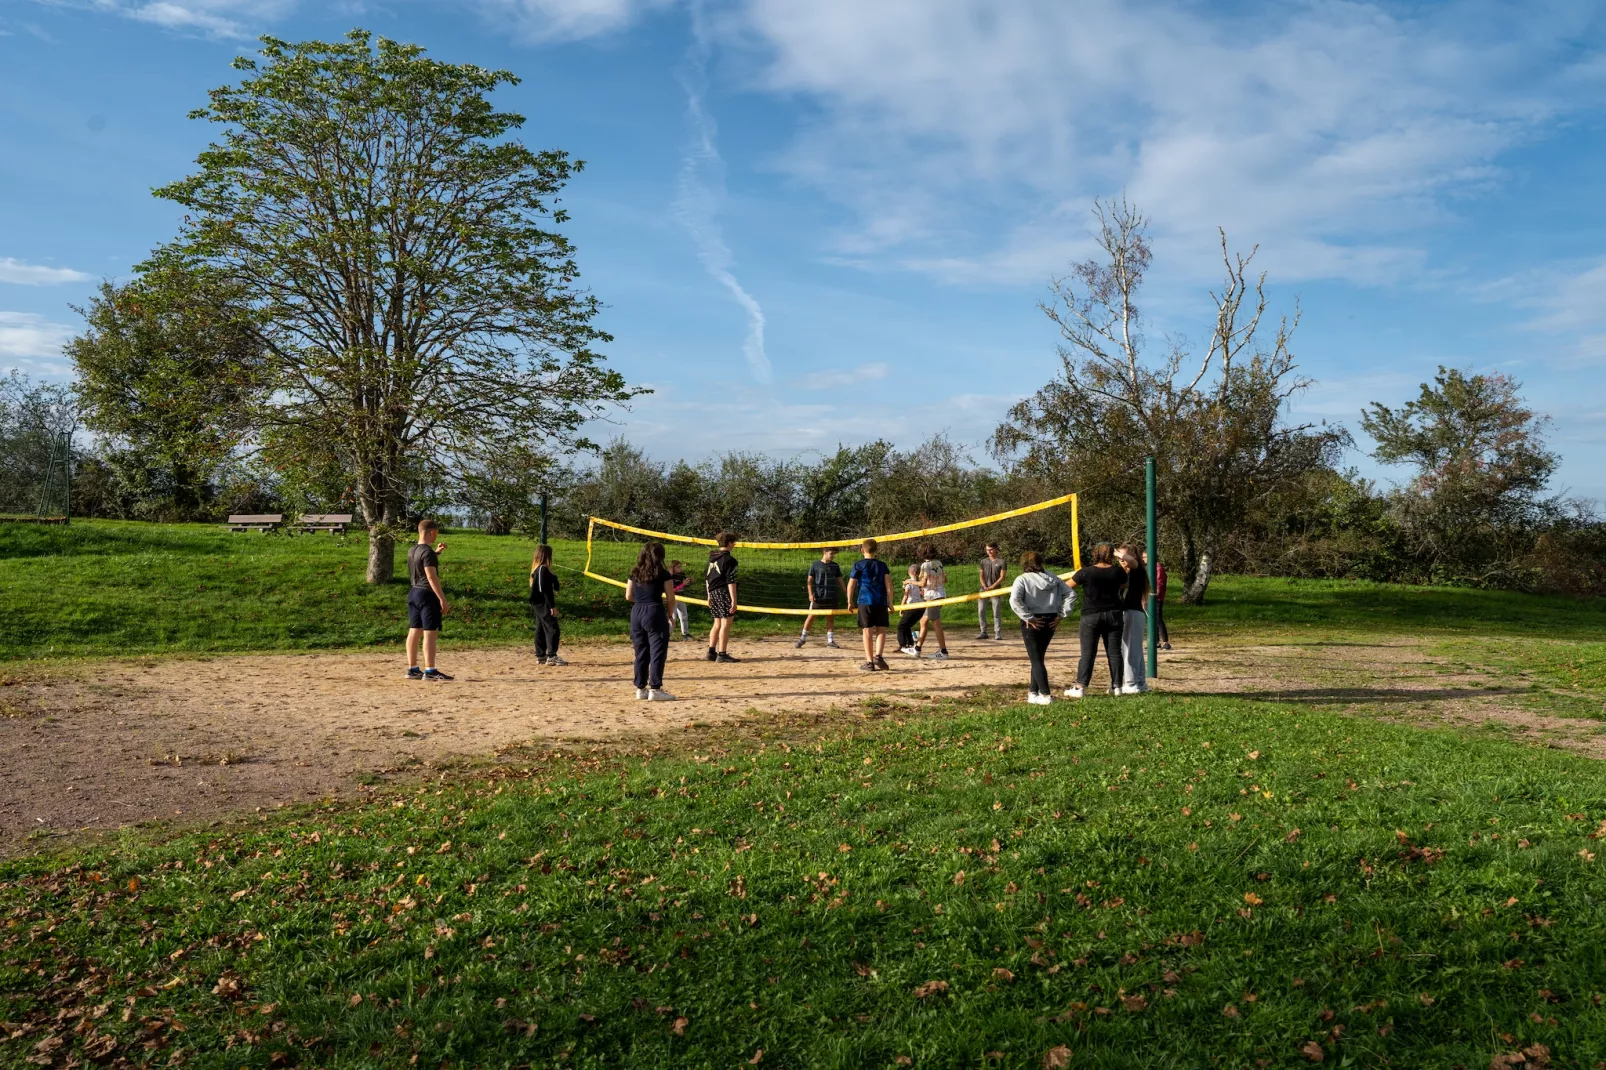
702 188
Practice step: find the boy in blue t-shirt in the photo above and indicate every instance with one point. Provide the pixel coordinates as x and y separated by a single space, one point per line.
870 589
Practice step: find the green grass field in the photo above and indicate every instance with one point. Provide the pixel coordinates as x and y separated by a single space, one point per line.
1156 882
1171 880
98 588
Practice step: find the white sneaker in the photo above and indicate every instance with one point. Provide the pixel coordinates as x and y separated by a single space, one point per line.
555 660
1031 698
1041 700
660 695
911 651
800 641
941 655
830 642
1132 689
641 693
1073 692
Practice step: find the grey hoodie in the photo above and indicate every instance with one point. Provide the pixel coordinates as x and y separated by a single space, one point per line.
1041 594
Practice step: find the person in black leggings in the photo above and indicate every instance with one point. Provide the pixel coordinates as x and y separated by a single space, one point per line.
651 592
1040 599
1100 586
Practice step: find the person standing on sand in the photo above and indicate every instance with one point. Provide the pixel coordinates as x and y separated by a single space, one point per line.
1103 619
993 572
651 594
1135 622
721 580
1041 600
544 601
426 602
870 589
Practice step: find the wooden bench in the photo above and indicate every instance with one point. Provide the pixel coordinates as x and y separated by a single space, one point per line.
333 523
263 522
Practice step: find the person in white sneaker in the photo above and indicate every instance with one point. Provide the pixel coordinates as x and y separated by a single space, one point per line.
1135 622
1041 600
913 595
824 591
934 585
651 593
1100 585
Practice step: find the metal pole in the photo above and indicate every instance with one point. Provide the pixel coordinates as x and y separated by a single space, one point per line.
543 520
1153 547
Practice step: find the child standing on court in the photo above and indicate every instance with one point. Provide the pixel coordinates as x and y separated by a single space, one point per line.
677 576
912 596
651 595
1135 623
426 602
825 594
994 571
721 579
870 588
544 601
934 586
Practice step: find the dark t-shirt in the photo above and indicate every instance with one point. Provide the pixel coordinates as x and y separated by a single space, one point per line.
872 576
419 557
992 571
721 569
544 587
1100 587
824 579
1137 585
679 579
651 591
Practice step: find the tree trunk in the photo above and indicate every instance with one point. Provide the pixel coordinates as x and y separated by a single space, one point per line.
1195 594
381 553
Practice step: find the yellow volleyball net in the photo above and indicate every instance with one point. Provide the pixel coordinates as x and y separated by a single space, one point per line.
773 577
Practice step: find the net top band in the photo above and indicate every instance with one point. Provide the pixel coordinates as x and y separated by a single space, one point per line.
1063 499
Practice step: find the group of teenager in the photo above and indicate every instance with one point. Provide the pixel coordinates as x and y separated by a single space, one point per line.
1114 589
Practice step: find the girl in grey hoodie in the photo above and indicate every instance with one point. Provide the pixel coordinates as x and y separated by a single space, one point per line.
1041 600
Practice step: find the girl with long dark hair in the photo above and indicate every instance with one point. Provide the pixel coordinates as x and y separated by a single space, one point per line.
651 592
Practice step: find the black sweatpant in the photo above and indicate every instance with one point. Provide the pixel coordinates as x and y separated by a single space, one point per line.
907 620
1037 640
1096 626
1157 607
546 633
649 634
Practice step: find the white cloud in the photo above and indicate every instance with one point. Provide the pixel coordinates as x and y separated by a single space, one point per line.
697 203
27 339
567 20
837 379
213 18
963 132
15 271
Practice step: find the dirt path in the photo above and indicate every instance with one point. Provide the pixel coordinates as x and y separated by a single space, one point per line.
107 744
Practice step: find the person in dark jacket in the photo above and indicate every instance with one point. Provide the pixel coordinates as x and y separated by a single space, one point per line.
1101 585
544 602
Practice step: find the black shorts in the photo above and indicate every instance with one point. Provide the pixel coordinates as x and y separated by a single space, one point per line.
828 604
719 603
423 609
872 616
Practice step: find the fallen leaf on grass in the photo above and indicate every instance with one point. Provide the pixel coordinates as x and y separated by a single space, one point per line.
1057 1058
1230 1011
1312 1051
930 988
1134 1003
1001 974
903 1060
679 1027
1252 899
757 1055
959 878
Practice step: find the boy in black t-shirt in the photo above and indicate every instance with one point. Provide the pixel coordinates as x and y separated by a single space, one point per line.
825 595
426 602
721 579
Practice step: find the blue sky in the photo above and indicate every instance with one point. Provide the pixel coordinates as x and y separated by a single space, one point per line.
829 221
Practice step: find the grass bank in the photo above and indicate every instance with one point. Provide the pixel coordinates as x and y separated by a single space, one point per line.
98 588
1155 881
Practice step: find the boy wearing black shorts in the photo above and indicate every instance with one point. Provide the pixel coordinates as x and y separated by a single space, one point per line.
426 602
870 588
825 595
721 578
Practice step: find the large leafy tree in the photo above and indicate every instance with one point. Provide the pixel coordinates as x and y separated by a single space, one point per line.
400 250
1481 469
169 367
1215 422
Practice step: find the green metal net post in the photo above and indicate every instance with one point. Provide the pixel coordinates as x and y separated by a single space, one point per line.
1153 548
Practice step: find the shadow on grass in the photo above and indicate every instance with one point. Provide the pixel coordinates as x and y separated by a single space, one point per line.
1347 695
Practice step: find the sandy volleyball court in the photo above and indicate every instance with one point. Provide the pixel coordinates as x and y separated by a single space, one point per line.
104 744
